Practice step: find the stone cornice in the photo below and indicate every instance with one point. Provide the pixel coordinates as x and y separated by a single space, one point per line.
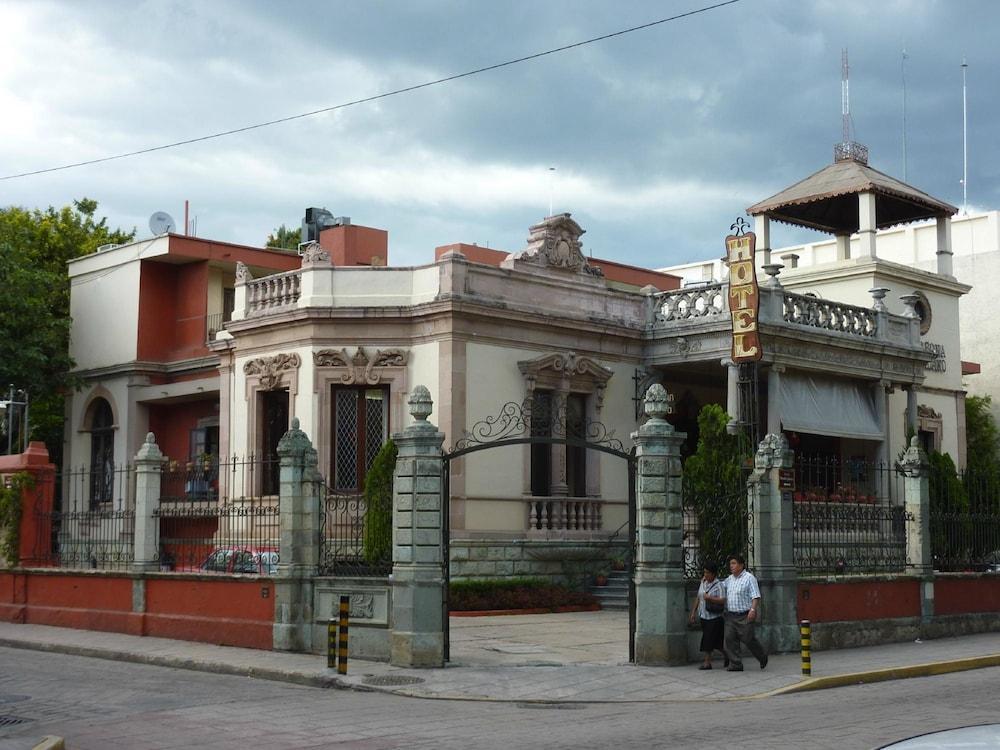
792 279
141 367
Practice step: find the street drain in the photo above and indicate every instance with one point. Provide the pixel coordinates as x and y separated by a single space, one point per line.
552 704
9 721
392 680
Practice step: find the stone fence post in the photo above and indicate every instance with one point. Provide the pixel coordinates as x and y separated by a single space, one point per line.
661 606
416 638
917 505
148 469
34 535
772 556
299 542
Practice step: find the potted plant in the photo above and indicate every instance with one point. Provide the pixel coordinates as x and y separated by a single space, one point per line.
617 563
601 579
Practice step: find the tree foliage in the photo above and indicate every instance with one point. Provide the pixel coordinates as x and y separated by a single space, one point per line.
377 541
982 439
284 238
35 246
714 488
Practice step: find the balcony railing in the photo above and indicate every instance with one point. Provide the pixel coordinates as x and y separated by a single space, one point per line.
273 292
692 303
801 309
213 324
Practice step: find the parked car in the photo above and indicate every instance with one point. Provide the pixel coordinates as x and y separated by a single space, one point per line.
251 560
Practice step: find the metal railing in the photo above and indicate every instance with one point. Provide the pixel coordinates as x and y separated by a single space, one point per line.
964 519
213 324
219 516
848 517
93 524
354 539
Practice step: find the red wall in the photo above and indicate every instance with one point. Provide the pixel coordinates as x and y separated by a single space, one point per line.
157 311
978 593
355 245
858 600
223 610
172 425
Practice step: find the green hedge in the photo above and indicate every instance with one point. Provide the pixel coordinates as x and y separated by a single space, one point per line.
514 593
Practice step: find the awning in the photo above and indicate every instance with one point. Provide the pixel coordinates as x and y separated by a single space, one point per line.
829 406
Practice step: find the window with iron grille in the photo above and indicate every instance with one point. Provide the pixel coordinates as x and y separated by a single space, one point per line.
102 453
360 428
543 419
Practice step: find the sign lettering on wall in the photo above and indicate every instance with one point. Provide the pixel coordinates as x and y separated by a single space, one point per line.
744 297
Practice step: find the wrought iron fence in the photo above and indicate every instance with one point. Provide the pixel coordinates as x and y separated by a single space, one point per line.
848 517
355 539
93 523
219 517
964 519
718 521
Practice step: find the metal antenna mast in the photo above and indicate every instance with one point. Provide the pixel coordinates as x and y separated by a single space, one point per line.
965 145
845 96
902 67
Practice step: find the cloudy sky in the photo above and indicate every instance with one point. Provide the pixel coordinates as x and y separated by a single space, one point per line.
659 138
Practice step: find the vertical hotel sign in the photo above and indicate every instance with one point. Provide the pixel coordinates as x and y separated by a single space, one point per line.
744 296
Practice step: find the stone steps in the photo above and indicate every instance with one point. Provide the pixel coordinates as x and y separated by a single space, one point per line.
615 594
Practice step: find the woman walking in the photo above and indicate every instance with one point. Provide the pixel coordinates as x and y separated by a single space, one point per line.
708 607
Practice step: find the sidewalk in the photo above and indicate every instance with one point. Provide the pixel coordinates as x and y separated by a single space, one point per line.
578 657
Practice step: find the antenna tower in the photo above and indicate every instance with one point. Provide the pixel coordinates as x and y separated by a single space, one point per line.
847 150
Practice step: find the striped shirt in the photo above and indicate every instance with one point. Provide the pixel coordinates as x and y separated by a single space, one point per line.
741 590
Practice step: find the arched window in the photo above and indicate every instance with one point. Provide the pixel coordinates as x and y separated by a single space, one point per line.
102 453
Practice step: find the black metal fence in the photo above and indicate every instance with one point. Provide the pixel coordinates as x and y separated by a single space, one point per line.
717 521
848 517
219 517
965 518
93 521
355 539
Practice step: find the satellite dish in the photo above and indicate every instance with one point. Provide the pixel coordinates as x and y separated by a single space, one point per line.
161 223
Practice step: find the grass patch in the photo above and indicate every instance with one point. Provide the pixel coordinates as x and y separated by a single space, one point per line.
514 593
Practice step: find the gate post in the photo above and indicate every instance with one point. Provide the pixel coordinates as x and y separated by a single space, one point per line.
917 505
148 475
416 638
661 608
298 545
773 555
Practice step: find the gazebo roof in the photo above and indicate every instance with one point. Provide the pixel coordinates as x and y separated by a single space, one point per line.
827 200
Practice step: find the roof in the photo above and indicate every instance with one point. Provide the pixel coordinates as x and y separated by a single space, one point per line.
826 200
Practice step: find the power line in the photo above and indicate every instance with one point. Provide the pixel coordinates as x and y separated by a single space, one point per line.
375 97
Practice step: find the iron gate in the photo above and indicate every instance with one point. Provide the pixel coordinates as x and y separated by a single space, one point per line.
517 425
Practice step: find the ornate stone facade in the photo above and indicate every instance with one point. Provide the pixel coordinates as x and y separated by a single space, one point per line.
268 369
361 368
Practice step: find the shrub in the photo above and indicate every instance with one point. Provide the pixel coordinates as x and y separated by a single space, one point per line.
514 593
377 538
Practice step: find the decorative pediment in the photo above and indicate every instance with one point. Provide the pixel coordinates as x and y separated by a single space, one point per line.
551 369
268 369
926 412
361 367
554 243
313 254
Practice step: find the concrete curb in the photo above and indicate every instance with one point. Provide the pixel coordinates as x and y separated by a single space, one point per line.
891 673
50 742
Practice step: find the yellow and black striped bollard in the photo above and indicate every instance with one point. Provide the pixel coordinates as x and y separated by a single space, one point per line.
805 633
345 609
331 643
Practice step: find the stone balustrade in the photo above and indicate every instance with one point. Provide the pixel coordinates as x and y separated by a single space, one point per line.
273 292
691 303
564 514
805 310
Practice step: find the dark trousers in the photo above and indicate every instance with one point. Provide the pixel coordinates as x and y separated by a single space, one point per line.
740 630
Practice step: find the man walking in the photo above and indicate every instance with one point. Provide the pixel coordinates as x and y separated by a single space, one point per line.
742 603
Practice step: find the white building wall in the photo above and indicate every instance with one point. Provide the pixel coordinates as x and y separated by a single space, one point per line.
110 294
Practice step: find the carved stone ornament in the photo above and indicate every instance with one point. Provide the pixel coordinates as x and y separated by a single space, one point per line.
555 367
555 243
361 368
268 369
772 452
926 412
362 606
243 274
314 254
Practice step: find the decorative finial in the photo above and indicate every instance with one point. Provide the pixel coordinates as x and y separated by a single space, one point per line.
295 423
657 402
421 404
739 227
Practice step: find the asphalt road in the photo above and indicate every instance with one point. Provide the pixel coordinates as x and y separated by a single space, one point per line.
103 705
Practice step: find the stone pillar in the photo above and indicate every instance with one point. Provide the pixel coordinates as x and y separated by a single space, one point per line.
416 637
661 605
732 394
944 253
298 546
774 399
772 556
316 283
881 390
240 297
34 536
558 481
867 225
843 246
911 410
916 503
148 466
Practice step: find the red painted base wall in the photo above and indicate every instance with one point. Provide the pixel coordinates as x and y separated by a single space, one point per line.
820 601
226 611
976 593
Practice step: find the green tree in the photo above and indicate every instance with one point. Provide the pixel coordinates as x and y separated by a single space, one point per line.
377 541
35 246
982 472
284 238
714 488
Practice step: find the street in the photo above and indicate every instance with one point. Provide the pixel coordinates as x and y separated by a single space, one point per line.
106 705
